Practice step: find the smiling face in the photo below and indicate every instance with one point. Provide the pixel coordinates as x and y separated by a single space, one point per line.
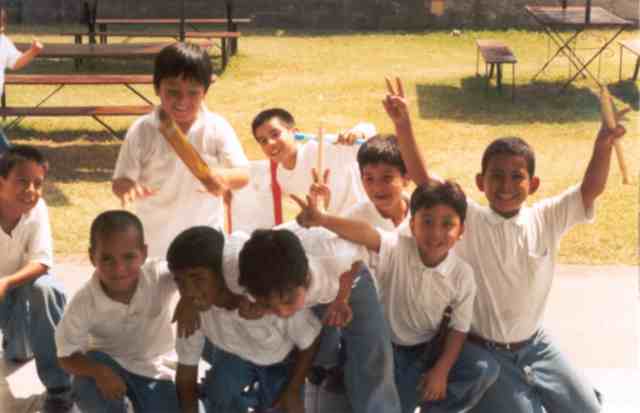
201 287
276 141
117 258
384 185
22 188
507 183
436 230
181 98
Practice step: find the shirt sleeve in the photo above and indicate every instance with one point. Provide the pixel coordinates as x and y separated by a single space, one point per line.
303 328
12 54
40 247
129 164
463 304
189 349
228 150
72 332
389 241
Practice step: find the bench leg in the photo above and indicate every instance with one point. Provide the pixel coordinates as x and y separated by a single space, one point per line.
107 127
620 66
635 71
499 77
513 85
477 61
223 50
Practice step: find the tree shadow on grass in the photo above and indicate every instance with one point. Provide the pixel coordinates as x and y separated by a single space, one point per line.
627 92
535 102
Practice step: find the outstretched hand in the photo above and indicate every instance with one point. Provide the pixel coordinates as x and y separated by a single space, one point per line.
611 135
310 215
395 103
36 46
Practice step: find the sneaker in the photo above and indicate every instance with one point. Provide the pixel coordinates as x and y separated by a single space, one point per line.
58 401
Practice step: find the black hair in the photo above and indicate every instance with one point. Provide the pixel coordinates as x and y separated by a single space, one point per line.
439 193
186 60
18 154
199 246
381 149
266 115
110 222
510 145
273 262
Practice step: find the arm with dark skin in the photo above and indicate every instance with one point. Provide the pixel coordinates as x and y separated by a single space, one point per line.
433 384
187 387
109 383
290 400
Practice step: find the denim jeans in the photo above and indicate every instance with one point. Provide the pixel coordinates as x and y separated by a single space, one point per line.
234 385
147 395
28 318
471 375
368 368
537 378
4 142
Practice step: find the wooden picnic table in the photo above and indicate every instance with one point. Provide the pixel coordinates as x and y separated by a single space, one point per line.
119 50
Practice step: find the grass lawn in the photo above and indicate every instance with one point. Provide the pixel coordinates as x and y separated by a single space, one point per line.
337 80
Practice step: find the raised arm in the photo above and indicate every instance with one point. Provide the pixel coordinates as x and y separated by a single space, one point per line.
595 177
396 107
187 387
359 232
34 50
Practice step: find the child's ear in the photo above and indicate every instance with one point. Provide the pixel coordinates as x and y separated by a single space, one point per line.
91 257
534 185
480 182
461 230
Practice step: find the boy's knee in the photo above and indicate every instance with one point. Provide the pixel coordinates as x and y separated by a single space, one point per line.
44 290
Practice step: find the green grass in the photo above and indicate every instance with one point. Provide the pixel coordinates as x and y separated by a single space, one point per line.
336 80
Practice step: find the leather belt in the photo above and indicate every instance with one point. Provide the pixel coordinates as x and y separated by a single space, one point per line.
515 346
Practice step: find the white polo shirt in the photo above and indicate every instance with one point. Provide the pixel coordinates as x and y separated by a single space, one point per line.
264 342
514 262
9 55
180 202
344 178
328 255
138 336
415 296
30 241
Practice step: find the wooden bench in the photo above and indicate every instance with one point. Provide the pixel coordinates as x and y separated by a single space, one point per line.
227 48
632 45
495 54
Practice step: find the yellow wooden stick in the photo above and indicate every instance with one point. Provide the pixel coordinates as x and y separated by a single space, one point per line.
320 165
609 118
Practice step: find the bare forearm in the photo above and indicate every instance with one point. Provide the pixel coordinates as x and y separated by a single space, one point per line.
304 360
452 347
359 232
80 365
25 59
235 178
595 178
411 153
26 274
187 387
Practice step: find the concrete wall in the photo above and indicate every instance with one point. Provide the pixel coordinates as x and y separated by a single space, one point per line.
336 14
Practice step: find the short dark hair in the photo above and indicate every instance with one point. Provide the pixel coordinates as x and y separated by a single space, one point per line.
381 149
18 154
267 114
510 145
186 60
199 246
110 222
273 262
439 193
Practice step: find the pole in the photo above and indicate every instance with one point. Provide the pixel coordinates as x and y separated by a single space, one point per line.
182 35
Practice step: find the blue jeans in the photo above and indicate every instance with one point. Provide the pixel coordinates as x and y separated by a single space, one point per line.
4 142
471 375
28 318
368 368
537 378
233 384
147 395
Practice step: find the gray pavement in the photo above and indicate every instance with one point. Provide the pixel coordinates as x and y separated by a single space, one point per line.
593 313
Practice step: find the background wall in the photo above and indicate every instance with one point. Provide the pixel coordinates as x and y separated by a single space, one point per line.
321 14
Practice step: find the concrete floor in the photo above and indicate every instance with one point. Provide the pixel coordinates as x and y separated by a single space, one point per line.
593 313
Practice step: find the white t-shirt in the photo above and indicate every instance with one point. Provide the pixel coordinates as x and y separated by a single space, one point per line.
9 55
415 296
344 179
30 241
265 341
328 255
514 261
180 201
138 336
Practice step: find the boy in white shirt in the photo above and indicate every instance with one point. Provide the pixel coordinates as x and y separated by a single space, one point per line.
116 332
256 364
31 298
419 277
12 58
511 248
284 272
169 198
274 130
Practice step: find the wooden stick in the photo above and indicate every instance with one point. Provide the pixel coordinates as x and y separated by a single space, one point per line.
320 166
609 118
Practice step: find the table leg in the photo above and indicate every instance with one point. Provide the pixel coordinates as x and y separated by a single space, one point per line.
620 66
561 47
499 77
223 50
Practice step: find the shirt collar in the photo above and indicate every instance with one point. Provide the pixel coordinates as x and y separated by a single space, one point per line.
494 218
